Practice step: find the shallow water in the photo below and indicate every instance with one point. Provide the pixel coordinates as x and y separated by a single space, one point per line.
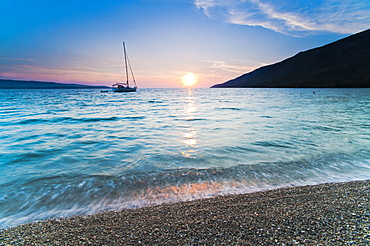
78 152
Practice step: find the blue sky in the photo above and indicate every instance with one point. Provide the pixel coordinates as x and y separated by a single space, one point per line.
81 41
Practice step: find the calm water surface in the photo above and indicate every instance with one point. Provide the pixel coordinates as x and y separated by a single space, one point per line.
78 152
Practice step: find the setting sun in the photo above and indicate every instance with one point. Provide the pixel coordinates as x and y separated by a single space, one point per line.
189 79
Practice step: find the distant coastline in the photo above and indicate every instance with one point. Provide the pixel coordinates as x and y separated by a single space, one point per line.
25 84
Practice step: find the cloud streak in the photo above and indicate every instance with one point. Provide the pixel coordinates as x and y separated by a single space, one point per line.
236 67
291 17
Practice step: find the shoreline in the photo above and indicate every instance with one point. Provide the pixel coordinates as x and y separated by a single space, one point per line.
325 214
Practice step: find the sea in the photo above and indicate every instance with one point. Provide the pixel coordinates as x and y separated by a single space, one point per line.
79 152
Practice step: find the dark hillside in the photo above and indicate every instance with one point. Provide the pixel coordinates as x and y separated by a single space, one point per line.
341 64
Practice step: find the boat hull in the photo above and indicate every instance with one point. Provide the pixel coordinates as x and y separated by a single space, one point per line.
124 89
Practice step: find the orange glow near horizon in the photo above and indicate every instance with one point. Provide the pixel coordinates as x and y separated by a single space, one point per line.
189 79
85 76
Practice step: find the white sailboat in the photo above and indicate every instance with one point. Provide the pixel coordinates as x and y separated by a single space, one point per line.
125 87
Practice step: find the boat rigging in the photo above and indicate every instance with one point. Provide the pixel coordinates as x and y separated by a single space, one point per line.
125 87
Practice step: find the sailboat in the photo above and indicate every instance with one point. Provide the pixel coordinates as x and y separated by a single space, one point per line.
125 87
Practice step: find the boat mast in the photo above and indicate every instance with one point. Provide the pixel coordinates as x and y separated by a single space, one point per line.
124 51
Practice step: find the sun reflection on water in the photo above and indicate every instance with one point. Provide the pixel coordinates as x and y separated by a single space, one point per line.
189 137
186 189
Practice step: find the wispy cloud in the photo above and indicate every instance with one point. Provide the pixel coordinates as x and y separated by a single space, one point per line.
235 66
292 17
16 59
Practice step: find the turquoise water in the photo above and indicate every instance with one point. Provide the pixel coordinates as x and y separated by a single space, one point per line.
78 152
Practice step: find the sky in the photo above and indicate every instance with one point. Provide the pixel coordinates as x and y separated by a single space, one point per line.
170 43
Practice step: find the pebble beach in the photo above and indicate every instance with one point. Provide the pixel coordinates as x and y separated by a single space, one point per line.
326 214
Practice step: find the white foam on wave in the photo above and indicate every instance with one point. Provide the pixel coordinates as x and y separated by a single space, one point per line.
179 191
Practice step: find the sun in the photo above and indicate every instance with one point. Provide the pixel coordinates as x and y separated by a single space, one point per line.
189 79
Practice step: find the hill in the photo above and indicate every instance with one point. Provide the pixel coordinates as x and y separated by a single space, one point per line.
22 84
341 64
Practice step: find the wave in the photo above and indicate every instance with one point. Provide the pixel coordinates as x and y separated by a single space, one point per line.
76 194
231 109
70 120
279 144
